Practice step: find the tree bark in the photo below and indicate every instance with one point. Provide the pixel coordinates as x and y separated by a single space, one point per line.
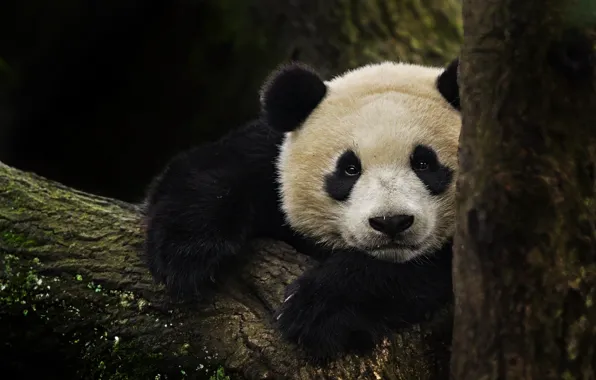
525 248
74 292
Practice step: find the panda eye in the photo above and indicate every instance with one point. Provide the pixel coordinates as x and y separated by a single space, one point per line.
423 159
352 170
421 165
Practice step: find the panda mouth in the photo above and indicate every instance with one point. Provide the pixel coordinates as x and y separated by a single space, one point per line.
395 246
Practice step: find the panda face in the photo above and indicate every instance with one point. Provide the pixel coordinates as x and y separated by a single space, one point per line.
395 212
373 167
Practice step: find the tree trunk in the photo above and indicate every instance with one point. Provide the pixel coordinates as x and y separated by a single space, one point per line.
525 260
74 292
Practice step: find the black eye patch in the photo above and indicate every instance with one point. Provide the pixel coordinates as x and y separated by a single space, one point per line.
339 184
435 176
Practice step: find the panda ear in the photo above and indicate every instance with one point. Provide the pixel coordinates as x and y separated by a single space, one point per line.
447 84
289 96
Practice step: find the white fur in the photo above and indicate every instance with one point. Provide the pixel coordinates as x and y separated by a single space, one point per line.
381 112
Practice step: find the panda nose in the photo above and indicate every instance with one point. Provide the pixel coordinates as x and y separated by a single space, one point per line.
391 225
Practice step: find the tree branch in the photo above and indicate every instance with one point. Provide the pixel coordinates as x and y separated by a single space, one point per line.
74 291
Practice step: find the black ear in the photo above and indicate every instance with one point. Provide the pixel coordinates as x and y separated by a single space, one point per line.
290 94
447 84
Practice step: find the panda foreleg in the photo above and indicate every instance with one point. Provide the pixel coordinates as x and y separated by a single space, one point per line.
325 312
201 211
352 301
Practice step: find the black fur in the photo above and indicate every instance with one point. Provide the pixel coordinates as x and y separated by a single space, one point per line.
436 177
352 301
209 201
448 85
339 184
206 205
289 95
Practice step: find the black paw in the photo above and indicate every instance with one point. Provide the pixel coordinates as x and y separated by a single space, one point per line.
189 264
191 271
325 327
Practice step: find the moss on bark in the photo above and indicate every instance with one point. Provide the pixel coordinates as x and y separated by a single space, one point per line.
525 261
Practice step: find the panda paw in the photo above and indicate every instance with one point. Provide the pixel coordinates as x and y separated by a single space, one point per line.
190 263
191 271
325 327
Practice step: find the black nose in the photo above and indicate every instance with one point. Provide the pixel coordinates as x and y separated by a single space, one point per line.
391 225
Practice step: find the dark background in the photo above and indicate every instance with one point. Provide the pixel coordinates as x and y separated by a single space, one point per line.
99 94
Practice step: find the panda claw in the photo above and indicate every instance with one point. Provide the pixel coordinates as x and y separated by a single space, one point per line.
286 300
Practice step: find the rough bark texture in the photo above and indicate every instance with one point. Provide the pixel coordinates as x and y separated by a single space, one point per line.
74 292
525 260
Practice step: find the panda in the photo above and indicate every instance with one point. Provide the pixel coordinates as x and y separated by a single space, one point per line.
358 171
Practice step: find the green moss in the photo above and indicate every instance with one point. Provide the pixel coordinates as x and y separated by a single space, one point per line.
184 349
12 239
219 375
96 288
104 352
19 280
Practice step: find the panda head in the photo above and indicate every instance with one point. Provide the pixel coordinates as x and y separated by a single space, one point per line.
369 158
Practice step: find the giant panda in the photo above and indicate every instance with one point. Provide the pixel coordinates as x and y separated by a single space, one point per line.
358 171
